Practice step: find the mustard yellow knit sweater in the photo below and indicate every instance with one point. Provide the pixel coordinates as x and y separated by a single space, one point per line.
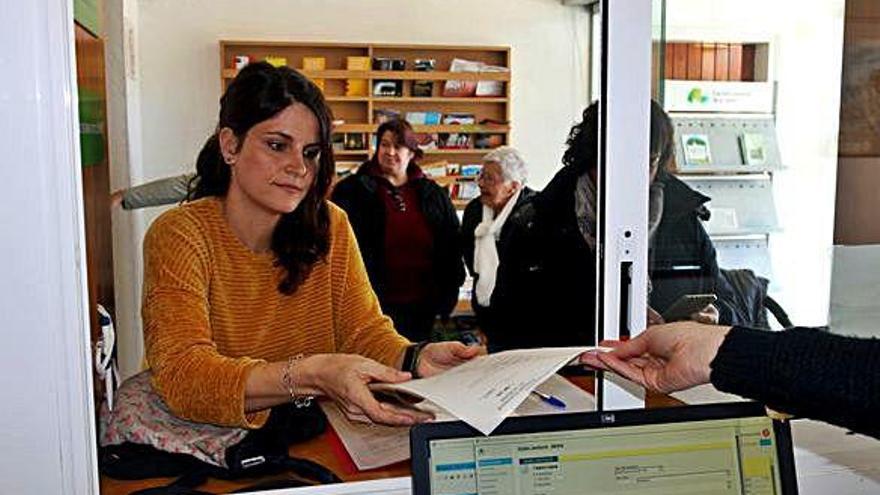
212 311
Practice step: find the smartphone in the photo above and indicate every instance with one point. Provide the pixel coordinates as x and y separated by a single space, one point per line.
686 305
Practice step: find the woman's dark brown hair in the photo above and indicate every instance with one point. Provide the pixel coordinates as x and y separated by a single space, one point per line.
258 93
403 135
582 150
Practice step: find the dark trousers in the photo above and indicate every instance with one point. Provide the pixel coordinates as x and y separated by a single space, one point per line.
414 321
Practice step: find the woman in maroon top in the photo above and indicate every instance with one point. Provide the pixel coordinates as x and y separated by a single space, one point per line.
407 230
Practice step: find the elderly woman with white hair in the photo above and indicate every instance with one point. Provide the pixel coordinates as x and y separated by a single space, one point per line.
484 226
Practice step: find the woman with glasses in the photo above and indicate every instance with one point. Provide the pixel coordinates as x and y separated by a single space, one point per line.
407 230
486 228
550 267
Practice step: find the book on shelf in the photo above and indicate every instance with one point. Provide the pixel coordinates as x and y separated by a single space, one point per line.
357 87
490 88
454 140
387 88
354 141
337 141
357 63
427 141
388 63
423 89
754 149
434 169
311 63
423 118
459 118
696 149
471 169
275 61
455 88
488 141
382 115
468 190
346 168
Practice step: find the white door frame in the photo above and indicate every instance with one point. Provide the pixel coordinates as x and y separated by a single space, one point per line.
46 423
49 436
622 226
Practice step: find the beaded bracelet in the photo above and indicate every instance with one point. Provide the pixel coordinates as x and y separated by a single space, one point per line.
299 401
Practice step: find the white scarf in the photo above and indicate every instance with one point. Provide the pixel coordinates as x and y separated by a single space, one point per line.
485 251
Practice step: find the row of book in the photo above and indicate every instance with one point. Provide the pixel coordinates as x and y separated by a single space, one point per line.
698 149
464 190
357 141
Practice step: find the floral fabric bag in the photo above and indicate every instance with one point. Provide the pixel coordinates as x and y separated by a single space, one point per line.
140 438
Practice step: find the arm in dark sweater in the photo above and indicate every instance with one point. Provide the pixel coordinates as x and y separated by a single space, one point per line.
805 372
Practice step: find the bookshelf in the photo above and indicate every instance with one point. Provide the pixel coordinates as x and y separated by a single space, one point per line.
345 72
721 99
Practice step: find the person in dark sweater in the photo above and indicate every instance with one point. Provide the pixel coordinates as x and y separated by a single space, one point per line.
407 230
806 372
549 274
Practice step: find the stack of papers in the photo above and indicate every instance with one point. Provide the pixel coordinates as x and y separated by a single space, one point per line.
371 446
485 390
481 392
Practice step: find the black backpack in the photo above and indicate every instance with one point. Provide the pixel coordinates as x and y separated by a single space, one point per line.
747 301
262 452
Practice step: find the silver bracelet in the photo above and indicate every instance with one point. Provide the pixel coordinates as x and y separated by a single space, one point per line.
299 401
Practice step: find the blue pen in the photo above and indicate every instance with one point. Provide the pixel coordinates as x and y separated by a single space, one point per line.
549 399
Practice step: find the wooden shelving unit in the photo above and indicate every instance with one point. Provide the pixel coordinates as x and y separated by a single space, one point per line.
357 111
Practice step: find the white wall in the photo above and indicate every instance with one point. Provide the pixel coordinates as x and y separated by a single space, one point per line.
176 71
46 429
806 38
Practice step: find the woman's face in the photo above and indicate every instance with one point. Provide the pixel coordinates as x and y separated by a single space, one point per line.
495 191
393 158
276 165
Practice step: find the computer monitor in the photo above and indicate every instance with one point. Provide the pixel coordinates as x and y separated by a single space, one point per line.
718 449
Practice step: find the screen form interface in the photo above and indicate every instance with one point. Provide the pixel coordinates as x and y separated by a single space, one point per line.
729 456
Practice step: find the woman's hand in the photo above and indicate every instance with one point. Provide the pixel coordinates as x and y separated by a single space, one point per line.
664 358
116 198
344 378
440 356
708 315
654 318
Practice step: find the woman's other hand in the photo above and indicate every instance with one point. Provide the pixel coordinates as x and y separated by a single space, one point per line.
708 315
116 198
437 357
665 358
654 318
344 378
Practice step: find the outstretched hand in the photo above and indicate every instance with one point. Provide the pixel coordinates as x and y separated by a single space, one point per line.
665 358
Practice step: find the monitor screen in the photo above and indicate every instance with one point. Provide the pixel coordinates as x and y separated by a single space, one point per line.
719 456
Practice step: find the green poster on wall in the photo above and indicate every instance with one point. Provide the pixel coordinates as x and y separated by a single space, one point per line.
91 127
88 14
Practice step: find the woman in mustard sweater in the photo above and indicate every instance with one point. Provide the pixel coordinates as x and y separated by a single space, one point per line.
255 293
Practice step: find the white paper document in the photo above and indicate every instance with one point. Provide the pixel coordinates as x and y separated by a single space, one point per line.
388 486
485 390
705 394
372 446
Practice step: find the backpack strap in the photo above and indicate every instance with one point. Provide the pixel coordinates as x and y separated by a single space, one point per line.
777 312
185 485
